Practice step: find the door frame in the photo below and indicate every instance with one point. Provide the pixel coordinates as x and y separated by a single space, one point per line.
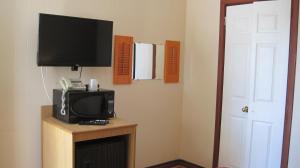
290 80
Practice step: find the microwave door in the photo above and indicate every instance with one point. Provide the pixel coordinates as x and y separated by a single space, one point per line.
88 107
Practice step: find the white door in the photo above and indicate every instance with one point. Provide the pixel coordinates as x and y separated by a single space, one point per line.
255 76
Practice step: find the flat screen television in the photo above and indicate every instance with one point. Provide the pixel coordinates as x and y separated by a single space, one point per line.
71 41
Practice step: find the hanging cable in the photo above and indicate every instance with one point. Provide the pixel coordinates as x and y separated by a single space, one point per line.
44 85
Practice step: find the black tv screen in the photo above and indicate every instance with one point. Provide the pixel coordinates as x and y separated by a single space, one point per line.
71 41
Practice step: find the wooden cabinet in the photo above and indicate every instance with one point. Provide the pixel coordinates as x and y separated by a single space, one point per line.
59 139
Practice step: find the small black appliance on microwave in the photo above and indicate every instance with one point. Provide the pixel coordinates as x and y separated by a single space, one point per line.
73 106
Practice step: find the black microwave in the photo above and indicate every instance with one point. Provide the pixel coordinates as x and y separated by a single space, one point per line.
73 106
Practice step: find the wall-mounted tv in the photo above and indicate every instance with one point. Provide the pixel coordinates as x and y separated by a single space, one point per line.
71 41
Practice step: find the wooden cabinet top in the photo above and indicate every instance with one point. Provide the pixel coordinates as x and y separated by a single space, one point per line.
115 123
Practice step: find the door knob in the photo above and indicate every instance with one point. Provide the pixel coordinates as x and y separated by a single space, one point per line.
245 109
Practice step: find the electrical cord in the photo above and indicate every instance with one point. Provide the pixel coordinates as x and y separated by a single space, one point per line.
44 82
44 85
63 103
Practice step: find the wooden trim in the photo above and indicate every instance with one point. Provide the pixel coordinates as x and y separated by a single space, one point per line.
178 162
169 164
236 2
220 82
134 58
189 164
123 60
290 85
154 62
172 62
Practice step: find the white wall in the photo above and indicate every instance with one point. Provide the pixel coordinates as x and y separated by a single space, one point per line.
6 82
294 160
155 106
200 79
